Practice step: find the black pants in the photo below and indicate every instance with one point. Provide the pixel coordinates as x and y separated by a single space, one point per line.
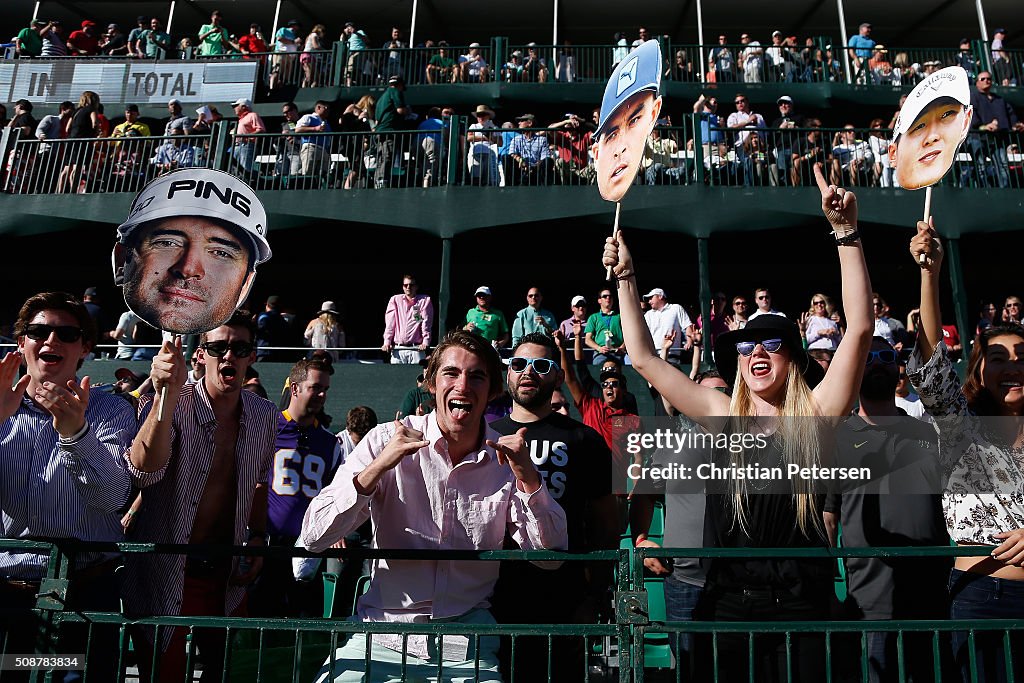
732 663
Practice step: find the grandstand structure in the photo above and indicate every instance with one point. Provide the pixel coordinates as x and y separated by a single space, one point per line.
709 231
687 221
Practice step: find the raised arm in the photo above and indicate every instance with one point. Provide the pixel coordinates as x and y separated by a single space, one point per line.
836 393
697 402
926 242
568 365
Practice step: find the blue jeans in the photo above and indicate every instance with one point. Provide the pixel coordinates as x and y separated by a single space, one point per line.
245 154
680 602
974 596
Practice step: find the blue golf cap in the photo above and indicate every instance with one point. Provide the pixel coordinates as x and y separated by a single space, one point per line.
640 70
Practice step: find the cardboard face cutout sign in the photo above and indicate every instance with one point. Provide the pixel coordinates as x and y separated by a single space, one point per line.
629 109
931 126
186 256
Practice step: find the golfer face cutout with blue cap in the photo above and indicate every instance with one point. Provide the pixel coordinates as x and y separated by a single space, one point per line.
629 110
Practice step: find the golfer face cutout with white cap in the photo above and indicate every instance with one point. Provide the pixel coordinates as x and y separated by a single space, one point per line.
186 256
629 110
931 126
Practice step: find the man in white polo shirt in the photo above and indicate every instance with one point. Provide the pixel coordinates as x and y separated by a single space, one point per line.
665 320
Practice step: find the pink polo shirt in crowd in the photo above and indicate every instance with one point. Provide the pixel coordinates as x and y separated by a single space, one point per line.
408 323
425 502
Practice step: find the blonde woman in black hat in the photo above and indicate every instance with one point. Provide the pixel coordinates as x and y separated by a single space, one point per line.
772 377
325 331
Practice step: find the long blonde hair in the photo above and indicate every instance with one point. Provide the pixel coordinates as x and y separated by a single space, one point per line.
800 441
329 321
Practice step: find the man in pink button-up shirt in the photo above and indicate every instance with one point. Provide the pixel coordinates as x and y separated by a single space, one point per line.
438 481
407 322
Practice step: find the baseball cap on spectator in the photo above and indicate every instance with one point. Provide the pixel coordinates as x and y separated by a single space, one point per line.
87 23
526 117
121 374
517 53
657 290
579 299
950 82
110 26
866 24
611 373
132 107
396 79
531 45
785 98
474 44
776 33
349 24
641 70
483 289
242 102
173 100
999 30
157 200
91 291
141 19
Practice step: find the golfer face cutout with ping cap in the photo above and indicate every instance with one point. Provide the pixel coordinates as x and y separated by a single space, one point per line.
629 110
931 126
186 256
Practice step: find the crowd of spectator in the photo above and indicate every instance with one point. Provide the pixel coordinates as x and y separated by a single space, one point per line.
303 58
385 143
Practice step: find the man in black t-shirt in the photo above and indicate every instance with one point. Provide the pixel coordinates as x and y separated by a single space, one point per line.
900 506
575 463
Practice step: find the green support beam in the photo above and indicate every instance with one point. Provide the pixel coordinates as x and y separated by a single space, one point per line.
444 292
704 280
960 307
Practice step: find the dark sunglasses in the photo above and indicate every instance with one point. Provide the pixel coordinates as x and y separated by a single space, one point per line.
605 296
541 366
818 303
985 78
887 356
745 348
41 332
609 384
221 348
559 405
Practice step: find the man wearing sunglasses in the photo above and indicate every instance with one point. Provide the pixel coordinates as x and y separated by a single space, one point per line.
901 506
533 318
438 481
63 477
576 465
203 466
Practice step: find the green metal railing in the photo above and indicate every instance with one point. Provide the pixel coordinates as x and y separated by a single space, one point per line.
294 649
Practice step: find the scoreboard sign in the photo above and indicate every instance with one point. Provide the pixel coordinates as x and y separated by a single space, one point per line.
136 81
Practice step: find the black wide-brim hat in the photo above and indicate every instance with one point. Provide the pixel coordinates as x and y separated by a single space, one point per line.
760 328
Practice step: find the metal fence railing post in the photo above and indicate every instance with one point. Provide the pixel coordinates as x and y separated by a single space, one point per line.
8 144
698 148
219 143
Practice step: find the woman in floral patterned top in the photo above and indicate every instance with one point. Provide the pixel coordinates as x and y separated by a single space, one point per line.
981 445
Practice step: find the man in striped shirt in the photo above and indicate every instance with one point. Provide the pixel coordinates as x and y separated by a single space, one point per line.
203 469
61 473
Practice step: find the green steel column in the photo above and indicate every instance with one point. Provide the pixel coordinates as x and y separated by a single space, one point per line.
456 125
960 307
220 141
444 291
698 149
704 275
339 56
